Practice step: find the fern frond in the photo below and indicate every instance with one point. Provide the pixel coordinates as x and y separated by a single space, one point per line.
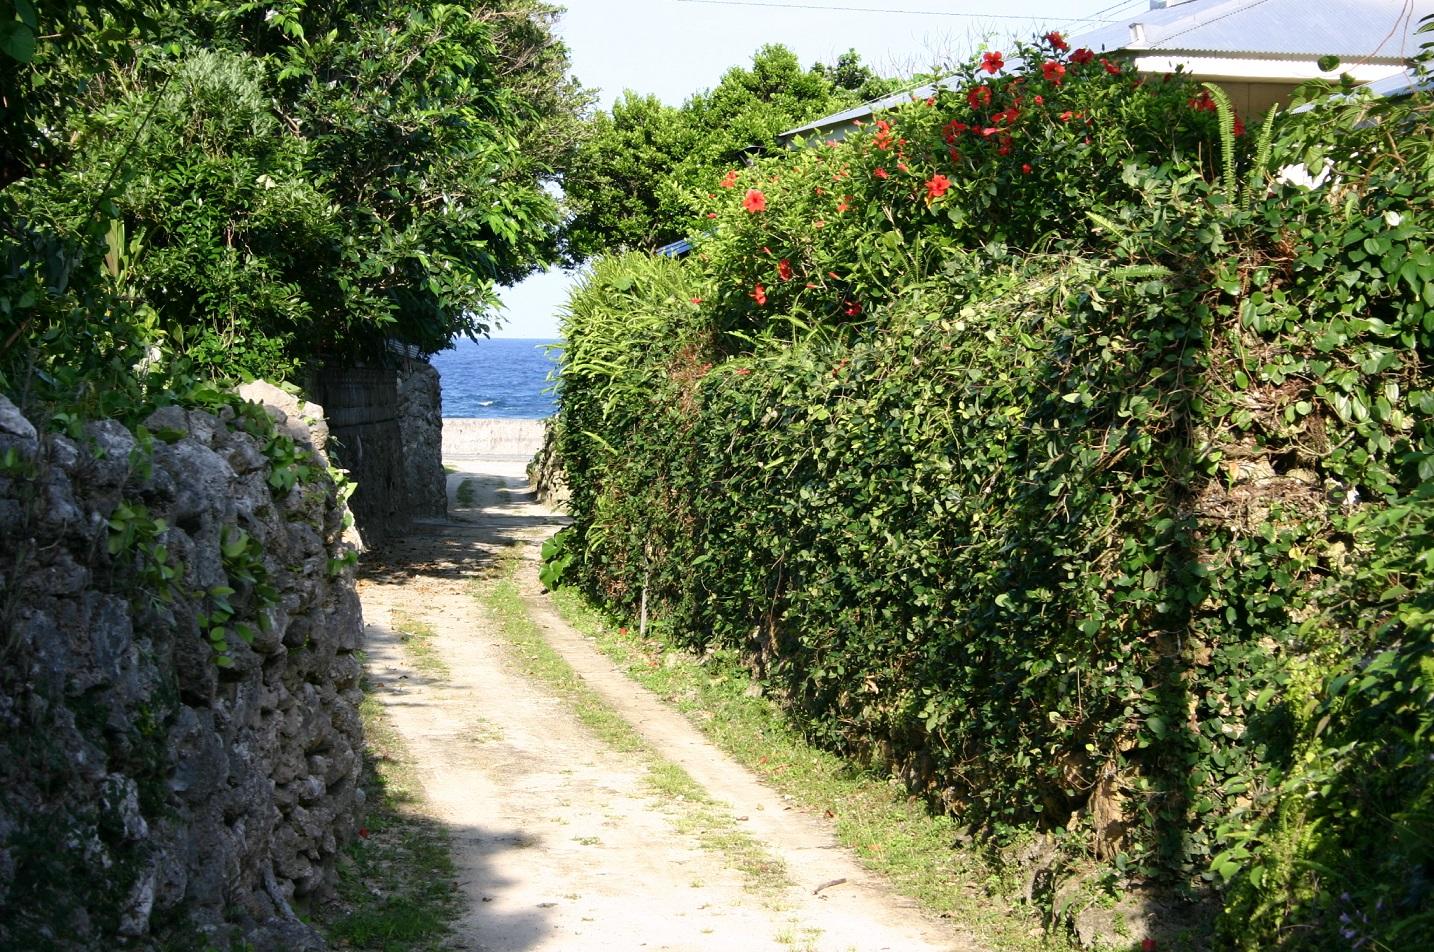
1226 113
1260 170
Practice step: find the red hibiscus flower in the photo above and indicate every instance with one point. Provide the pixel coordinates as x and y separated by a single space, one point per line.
930 100
842 205
1082 56
978 96
1025 168
1057 41
696 300
711 214
1040 100
1053 72
882 173
853 308
936 186
729 180
1005 146
882 139
992 62
1113 68
784 269
755 201
759 294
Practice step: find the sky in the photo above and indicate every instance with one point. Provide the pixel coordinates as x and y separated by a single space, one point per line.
675 48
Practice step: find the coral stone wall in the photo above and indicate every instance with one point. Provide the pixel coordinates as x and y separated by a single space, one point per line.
155 791
420 423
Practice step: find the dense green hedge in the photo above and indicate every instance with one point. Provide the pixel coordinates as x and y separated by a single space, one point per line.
1074 475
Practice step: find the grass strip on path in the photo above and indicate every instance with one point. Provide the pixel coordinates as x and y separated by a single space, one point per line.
697 814
892 833
398 889
416 636
465 495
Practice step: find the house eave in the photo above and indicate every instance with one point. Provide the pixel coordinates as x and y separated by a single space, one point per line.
1274 68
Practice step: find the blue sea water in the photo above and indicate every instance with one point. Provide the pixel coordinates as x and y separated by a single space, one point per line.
497 378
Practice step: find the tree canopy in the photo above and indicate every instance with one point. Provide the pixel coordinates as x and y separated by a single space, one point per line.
256 186
638 176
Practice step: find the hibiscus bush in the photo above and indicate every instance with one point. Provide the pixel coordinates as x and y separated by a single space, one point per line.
1039 445
1014 159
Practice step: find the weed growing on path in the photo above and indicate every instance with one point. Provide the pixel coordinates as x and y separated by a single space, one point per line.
397 887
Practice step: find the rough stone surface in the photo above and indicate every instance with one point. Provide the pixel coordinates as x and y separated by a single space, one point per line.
150 797
420 423
545 471
385 425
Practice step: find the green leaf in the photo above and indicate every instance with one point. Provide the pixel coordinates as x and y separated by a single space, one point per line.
17 41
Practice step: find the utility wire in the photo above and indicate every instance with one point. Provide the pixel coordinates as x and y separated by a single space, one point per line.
771 4
1115 13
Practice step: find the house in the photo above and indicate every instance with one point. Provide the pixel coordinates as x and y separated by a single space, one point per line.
1260 50
1257 50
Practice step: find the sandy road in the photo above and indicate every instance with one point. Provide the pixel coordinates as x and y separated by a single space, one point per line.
560 842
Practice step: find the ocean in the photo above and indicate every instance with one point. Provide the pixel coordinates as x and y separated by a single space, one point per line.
497 378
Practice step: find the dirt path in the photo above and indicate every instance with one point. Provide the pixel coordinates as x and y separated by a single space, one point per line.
561 841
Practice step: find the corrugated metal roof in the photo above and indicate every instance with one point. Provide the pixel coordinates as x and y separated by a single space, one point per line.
1349 29
864 110
1344 28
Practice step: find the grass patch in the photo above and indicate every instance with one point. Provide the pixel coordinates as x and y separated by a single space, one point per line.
891 832
695 814
465 494
416 635
398 889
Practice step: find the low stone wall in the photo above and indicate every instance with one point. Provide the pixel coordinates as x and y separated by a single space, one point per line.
149 796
